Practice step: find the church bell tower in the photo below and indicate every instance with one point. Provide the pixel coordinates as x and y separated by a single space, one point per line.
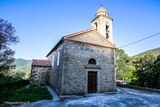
103 23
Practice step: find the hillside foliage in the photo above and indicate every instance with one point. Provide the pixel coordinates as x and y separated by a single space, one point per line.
141 70
22 69
156 51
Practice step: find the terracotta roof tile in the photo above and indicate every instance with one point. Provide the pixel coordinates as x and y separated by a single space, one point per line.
41 63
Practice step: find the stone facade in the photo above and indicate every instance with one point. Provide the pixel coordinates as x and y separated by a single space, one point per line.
75 73
70 77
39 76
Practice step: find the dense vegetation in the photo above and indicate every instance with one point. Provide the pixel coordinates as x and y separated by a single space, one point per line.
141 70
23 65
15 90
22 69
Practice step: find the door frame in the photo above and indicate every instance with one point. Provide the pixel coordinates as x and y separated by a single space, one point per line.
92 70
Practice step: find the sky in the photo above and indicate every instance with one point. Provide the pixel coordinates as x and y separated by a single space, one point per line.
40 24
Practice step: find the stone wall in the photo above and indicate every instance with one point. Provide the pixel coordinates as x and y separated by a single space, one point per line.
56 70
75 57
39 76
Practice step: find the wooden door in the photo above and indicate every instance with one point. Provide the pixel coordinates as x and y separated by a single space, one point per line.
92 82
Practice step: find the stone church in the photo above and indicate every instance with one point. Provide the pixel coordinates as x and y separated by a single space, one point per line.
82 62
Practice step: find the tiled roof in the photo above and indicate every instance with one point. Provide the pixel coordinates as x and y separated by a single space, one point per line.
41 63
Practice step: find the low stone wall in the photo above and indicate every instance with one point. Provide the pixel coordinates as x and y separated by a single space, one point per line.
141 88
39 76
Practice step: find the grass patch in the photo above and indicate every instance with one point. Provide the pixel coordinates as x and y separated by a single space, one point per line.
14 90
23 94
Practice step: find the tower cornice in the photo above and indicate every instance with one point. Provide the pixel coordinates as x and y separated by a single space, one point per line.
102 16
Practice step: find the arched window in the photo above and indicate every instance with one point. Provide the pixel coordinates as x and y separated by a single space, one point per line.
92 61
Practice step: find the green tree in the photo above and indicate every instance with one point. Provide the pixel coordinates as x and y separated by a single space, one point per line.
7 38
156 73
143 65
124 68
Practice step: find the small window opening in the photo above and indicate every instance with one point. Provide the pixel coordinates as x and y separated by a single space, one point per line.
92 61
96 25
107 32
